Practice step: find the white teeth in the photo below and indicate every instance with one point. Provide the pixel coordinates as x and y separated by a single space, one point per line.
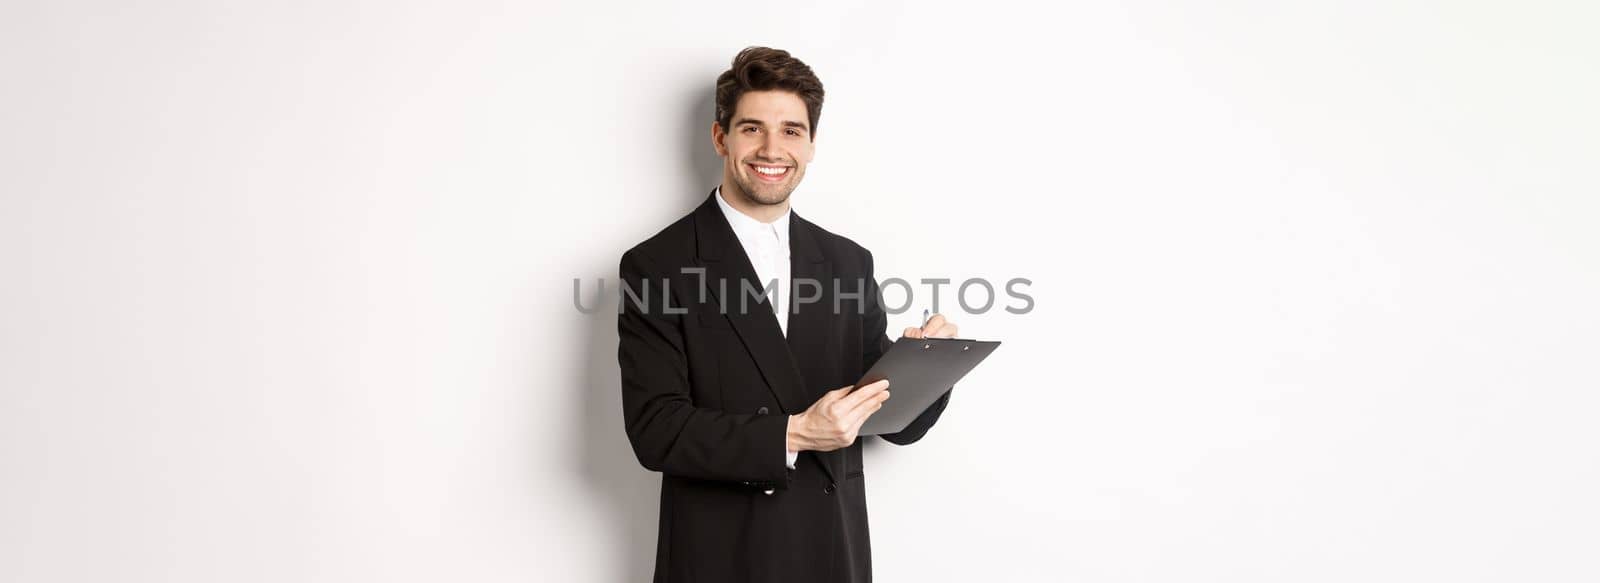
771 171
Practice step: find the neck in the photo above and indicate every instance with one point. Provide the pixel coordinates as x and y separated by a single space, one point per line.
741 202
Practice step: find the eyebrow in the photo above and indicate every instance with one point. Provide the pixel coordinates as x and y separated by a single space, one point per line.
786 123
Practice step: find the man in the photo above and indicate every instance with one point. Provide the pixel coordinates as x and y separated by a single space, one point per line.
742 329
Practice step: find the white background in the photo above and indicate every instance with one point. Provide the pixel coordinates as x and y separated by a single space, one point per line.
287 286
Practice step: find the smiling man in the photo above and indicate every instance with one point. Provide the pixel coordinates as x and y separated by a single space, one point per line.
741 332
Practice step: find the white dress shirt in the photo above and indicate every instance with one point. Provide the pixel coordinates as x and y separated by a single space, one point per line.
767 246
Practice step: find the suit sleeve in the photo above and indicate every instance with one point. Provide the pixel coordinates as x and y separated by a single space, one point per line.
874 345
668 432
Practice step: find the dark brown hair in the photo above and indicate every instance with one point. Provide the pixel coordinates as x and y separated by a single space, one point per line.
766 69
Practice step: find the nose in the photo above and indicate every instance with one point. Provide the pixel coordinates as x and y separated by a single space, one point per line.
769 152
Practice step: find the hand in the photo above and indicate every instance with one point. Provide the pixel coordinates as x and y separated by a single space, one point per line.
832 422
937 327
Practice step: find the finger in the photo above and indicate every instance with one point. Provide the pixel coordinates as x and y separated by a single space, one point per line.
933 324
869 406
912 333
860 415
862 394
833 395
946 331
866 392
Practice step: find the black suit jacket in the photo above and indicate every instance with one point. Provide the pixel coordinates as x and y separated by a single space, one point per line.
706 395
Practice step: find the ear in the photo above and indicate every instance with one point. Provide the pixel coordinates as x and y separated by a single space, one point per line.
717 136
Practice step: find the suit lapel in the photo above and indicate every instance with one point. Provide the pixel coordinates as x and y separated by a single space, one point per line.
728 271
810 323
778 359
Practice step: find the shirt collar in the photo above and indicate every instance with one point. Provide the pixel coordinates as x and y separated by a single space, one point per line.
748 228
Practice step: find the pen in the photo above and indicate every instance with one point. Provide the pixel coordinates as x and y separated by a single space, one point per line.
924 318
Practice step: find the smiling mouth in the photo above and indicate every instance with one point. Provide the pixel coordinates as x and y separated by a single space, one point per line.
770 173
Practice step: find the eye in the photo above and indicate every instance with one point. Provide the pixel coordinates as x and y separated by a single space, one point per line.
794 132
749 129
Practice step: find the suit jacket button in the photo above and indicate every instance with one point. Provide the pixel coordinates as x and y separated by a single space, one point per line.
828 489
762 411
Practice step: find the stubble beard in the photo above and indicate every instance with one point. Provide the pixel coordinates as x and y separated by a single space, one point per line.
769 194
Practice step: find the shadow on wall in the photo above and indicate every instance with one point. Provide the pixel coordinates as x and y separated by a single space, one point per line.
629 493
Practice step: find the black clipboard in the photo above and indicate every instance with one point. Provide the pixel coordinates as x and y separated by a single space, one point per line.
919 371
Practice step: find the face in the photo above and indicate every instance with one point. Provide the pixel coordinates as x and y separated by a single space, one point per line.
767 145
